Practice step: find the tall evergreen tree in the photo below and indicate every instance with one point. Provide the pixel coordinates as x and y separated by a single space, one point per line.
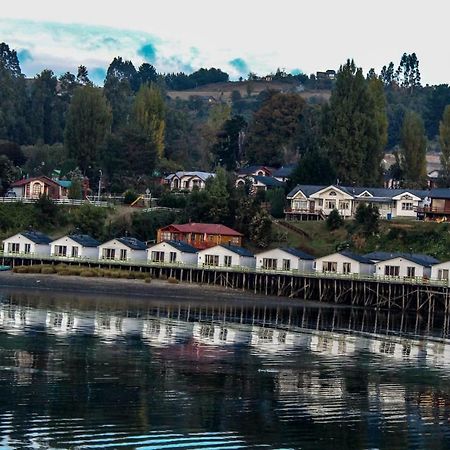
149 113
88 124
413 150
444 141
228 147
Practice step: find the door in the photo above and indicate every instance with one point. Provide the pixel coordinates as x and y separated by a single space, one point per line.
312 205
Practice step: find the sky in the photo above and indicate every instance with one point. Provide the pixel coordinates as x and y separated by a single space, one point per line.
237 36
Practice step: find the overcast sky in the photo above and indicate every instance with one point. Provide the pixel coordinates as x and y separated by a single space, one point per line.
236 35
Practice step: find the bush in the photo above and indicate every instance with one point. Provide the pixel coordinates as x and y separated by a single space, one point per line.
48 270
20 269
148 280
172 280
34 269
88 273
129 197
334 220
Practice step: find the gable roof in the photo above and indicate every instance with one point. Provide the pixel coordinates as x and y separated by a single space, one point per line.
36 236
423 260
202 175
249 170
133 243
297 253
182 246
268 181
24 181
284 171
440 193
359 258
306 189
64 183
203 228
241 251
84 239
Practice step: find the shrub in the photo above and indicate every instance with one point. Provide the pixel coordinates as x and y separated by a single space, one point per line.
334 220
88 273
20 269
172 280
34 269
129 197
63 272
147 280
48 270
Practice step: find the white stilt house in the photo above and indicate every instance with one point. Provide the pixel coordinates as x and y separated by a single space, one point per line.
123 249
441 272
172 252
344 263
284 259
27 243
75 246
226 256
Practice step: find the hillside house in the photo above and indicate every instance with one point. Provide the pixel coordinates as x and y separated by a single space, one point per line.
33 188
28 243
284 259
226 256
172 252
284 173
127 249
255 170
75 246
316 202
259 183
344 263
187 181
438 207
200 235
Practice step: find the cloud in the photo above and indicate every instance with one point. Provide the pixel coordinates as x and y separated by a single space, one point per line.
240 66
148 52
24 56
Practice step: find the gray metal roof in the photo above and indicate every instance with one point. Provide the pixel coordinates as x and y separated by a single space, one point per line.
284 171
36 236
133 243
84 239
182 246
356 257
418 258
241 251
268 181
202 175
297 253
440 193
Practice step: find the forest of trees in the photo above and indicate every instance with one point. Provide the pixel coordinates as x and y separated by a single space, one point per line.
131 130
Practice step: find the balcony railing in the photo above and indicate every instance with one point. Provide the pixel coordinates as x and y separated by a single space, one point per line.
433 210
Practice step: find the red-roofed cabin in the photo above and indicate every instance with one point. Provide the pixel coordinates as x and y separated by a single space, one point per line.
200 235
38 186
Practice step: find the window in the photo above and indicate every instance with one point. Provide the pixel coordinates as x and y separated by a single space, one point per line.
330 204
332 194
37 190
212 260
235 241
123 254
300 205
157 256
329 266
344 204
13 247
320 202
75 252
286 264
443 274
347 267
60 250
27 248
166 236
109 253
227 261
269 264
173 257
410 272
392 271
407 206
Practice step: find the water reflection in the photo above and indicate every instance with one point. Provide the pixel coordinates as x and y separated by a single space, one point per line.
78 373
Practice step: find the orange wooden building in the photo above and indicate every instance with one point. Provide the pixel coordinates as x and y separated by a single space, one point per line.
200 235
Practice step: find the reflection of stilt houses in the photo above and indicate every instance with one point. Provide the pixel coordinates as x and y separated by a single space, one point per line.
61 322
391 346
437 354
161 332
272 340
219 334
112 327
333 344
14 319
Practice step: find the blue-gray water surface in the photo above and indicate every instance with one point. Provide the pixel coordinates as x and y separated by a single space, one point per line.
82 373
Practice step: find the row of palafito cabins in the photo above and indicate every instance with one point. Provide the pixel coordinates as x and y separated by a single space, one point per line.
221 248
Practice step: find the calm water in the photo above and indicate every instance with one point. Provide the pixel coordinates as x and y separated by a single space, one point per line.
82 374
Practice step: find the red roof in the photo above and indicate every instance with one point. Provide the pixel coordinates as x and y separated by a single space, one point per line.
44 179
203 228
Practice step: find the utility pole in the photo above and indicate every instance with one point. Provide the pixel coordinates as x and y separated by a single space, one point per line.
99 184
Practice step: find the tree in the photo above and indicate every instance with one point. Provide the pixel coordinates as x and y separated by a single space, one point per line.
407 74
13 152
216 188
387 74
229 145
444 141
88 124
353 139
273 128
260 229
334 220
147 74
83 76
149 113
367 217
413 150
8 173
89 219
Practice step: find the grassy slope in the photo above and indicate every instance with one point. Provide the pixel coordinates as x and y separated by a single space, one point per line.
399 235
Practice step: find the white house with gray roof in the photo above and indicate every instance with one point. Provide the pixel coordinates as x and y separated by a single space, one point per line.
226 256
28 243
127 249
284 259
75 246
441 272
187 181
316 202
172 252
344 263
259 183
405 266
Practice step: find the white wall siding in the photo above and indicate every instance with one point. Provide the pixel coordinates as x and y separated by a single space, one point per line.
402 264
22 241
295 263
438 271
339 260
204 258
83 252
